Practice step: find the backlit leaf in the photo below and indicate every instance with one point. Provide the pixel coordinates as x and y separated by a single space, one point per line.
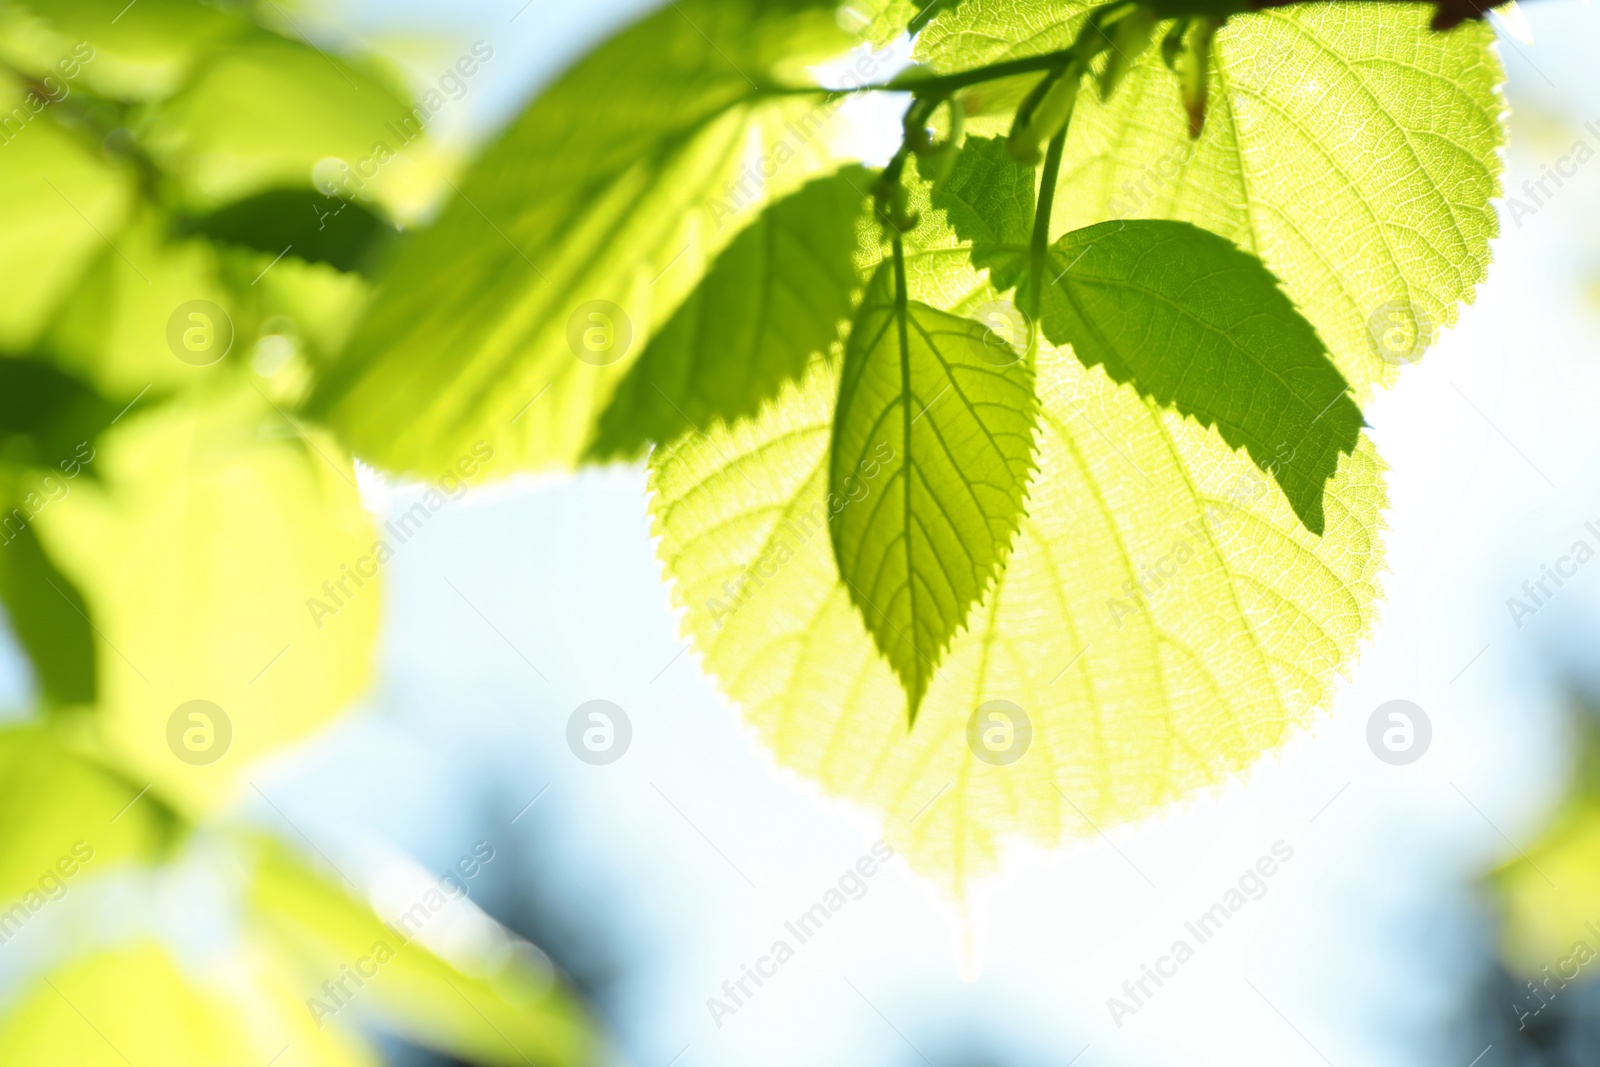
225 559
56 193
1194 323
609 196
1163 619
932 448
775 297
1351 149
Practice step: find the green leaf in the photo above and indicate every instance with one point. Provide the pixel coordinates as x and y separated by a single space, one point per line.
490 1003
1163 617
610 195
1351 149
113 328
882 21
49 420
263 112
138 51
67 817
134 1004
988 200
302 223
56 193
932 449
1194 323
225 557
48 616
774 298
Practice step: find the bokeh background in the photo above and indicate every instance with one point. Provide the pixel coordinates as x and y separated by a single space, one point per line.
1419 901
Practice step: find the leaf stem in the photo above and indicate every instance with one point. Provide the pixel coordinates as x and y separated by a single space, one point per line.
1040 249
902 314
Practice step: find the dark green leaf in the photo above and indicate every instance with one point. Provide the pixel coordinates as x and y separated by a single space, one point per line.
48 419
774 298
302 223
933 444
1194 323
47 613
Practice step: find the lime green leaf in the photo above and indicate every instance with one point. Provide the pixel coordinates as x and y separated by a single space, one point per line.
227 559
114 327
988 200
1348 147
933 444
882 21
776 296
66 821
138 51
1547 892
133 1005
1194 323
610 196
501 1008
1163 619
263 112
302 223
56 193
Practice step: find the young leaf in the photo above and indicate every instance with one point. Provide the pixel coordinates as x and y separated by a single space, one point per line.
1349 147
775 297
1193 323
610 196
932 448
1163 618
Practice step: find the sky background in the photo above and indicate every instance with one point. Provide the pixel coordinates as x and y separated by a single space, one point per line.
657 877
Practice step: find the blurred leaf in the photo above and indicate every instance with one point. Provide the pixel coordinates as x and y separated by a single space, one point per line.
133 1005
66 820
321 303
775 297
49 420
498 1004
302 223
610 194
1549 892
935 427
58 203
261 113
135 51
113 329
48 616
217 562
1192 322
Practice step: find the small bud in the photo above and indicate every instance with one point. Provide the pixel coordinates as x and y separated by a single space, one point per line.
1194 71
1130 36
1043 114
1172 44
